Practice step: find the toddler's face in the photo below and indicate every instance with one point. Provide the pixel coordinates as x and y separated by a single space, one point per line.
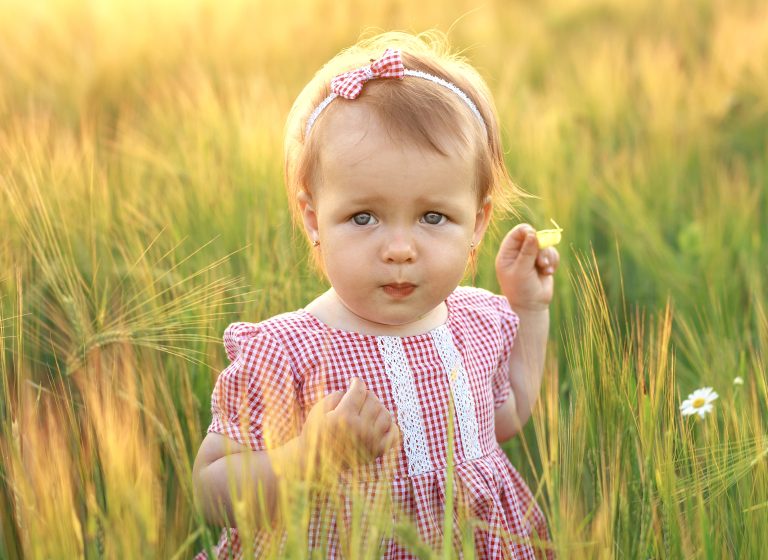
395 222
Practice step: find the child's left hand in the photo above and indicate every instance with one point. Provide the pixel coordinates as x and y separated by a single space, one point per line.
524 271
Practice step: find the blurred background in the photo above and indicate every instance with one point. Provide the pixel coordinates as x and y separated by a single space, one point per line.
143 209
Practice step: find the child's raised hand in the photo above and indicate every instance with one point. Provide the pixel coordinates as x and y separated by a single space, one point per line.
524 271
354 427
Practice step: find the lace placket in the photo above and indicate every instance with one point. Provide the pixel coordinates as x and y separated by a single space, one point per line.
462 394
404 392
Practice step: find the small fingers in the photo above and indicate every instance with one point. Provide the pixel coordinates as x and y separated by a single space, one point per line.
518 248
521 231
548 260
331 400
371 409
515 239
391 438
354 398
382 423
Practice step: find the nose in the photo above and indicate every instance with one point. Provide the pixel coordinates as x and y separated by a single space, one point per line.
399 247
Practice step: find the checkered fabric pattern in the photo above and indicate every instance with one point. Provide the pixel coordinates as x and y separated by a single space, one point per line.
350 84
280 368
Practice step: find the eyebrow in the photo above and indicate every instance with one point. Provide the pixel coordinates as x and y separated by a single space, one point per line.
439 202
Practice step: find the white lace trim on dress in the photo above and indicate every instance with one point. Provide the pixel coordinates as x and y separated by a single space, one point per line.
463 401
407 400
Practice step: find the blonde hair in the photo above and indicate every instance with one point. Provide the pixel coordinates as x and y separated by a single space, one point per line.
412 109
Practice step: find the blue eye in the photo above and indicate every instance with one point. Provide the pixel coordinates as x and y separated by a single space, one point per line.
433 218
363 219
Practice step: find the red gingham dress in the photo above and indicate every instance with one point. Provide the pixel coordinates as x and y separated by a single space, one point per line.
280 366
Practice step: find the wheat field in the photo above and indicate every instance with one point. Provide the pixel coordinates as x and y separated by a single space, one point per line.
143 210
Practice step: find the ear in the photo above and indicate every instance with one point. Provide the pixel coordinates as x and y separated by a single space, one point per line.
309 215
482 219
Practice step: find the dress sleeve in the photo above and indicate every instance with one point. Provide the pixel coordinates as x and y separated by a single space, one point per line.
509 322
254 401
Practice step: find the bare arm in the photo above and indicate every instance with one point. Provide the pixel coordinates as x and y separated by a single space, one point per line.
354 426
506 422
526 363
224 468
526 368
525 275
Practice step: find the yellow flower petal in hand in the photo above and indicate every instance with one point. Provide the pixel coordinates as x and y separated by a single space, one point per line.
549 237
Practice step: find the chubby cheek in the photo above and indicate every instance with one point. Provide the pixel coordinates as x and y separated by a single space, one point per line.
345 268
445 262
451 266
452 250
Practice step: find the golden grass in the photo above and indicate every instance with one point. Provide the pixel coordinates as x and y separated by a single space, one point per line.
140 179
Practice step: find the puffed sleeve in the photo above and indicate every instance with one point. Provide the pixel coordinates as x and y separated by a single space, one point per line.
509 322
254 401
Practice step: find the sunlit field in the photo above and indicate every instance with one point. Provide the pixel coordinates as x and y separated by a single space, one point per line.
143 210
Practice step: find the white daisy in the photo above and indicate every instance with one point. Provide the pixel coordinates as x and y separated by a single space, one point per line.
699 402
738 381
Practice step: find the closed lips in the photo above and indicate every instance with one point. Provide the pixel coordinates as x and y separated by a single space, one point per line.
398 289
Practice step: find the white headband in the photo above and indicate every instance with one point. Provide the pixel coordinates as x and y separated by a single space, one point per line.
390 65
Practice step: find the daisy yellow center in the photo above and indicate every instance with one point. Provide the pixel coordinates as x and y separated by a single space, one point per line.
698 403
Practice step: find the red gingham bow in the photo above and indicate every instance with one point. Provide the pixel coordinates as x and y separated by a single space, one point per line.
350 84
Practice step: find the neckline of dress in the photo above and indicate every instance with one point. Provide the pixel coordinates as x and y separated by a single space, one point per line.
356 334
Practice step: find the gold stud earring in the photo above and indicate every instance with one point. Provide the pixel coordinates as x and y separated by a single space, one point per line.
315 243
